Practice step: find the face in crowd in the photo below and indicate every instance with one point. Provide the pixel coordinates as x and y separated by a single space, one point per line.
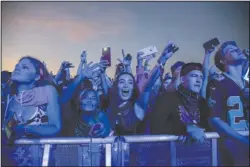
193 81
125 86
232 53
166 83
25 72
89 101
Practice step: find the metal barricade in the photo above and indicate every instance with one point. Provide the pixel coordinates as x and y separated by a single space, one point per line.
74 151
138 150
165 150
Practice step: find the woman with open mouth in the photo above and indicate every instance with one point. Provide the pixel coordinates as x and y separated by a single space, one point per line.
124 111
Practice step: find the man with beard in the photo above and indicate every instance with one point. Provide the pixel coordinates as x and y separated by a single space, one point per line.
184 110
228 112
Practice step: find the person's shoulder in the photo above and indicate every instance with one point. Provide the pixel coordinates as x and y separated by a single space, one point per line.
50 89
217 82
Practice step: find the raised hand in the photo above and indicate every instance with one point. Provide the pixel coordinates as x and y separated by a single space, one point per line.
123 54
167 53
103 65
139 54
84 57
66 64
89 69
213 51
125 61
139 59
150 57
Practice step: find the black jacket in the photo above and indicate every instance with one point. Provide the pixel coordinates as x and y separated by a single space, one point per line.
166 117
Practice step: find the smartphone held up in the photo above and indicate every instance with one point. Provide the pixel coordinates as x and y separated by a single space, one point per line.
147 51
106 55
209 45
172 48
67 65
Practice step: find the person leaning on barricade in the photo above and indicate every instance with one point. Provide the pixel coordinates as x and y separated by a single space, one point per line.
228 111
74 92
32 110
184 111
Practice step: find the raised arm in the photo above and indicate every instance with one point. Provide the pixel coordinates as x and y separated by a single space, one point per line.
157 71
87 72
126 62
206 67
139 69
59 73
82 62
105 85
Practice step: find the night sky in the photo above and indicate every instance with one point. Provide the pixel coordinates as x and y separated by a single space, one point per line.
58 31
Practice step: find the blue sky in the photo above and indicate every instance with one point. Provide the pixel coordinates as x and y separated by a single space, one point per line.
58 31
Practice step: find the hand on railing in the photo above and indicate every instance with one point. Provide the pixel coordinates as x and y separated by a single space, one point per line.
195 134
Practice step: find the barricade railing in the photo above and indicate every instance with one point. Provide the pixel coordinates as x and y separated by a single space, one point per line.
123 145
48 142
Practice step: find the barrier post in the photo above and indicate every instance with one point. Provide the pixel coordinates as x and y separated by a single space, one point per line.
214 153
173 153
107 154
46 154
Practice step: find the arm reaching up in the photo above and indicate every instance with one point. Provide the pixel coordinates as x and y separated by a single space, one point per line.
82 62
206 67
87 72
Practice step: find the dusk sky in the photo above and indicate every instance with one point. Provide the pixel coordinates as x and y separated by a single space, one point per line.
58 31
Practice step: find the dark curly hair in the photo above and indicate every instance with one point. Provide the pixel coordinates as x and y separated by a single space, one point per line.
41 70
219 55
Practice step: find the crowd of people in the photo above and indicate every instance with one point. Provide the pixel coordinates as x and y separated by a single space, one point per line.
195 98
